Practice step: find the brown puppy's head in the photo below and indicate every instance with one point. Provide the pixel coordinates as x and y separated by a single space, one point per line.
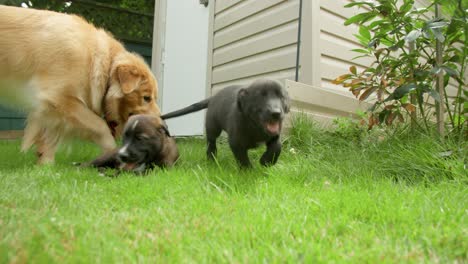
265 102
146 141
133 90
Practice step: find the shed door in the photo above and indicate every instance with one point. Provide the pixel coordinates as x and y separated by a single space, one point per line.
182 66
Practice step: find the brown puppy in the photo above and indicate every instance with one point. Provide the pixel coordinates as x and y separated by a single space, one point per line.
146 143
72 78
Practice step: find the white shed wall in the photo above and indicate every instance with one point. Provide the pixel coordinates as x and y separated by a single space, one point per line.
253 39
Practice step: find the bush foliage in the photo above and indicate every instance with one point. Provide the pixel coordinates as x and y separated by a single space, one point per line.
402 39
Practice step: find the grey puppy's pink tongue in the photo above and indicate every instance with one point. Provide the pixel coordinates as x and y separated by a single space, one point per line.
273 127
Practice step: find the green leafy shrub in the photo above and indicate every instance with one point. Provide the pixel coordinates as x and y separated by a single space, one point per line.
348 128
402 41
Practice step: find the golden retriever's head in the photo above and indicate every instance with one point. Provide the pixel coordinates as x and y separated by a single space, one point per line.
132 90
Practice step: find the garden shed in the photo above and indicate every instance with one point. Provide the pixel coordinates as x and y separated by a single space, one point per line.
200 47
249 39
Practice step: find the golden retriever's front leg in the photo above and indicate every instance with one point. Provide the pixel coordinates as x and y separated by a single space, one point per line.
47 127
90 126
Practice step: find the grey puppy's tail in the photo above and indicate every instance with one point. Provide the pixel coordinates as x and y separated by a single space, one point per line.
187 110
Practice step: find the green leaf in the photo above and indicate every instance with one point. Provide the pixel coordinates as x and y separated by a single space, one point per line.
420 10
438 34
404 99
455 59
387 42
438 24
459 119
377 23
372 43
454 26
423 73
424 88
408 4
383 115
436 70
446 80
401 91
449 71
360 18
356 18
373 107
361 39
353 70
413 35
361 51
364 31
399 45
359 4
360 56
426 34
434 94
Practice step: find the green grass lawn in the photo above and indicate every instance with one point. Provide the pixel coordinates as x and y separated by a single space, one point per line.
330 199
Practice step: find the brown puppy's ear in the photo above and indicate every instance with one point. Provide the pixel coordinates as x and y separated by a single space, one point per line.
241 96
170 153
165 129
128 78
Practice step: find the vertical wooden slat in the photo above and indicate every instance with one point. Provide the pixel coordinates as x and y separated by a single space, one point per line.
310 51
209 62
159 33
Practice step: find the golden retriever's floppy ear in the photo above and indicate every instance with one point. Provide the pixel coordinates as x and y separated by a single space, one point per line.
128 78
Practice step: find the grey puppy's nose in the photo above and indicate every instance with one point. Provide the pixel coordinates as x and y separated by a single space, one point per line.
276 114
123 154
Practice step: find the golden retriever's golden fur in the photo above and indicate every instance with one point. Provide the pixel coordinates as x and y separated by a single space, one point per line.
72 78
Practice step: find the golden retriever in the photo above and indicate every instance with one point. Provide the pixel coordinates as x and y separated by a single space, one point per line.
72 78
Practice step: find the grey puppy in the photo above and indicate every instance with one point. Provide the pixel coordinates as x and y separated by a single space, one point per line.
250 115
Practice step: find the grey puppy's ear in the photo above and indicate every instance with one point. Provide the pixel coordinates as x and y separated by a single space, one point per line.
241 95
